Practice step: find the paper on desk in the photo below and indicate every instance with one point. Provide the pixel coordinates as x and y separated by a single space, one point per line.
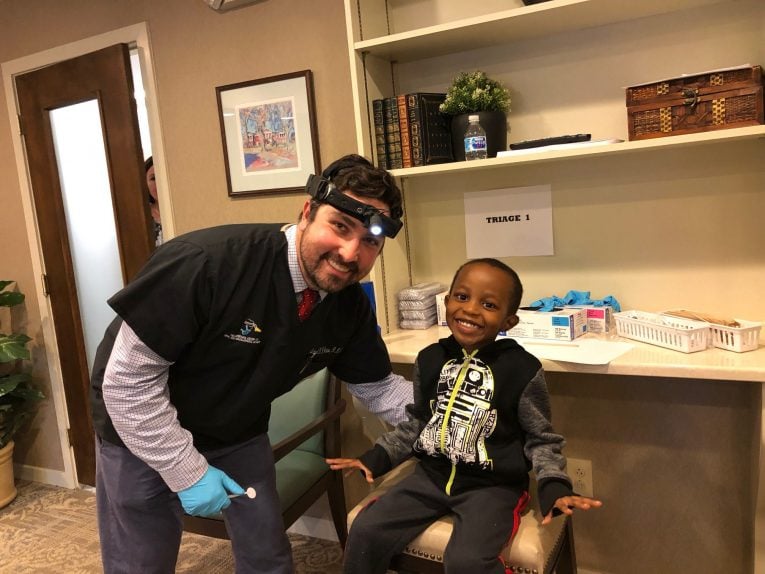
583 351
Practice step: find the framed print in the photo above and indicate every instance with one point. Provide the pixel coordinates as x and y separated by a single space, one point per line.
269 134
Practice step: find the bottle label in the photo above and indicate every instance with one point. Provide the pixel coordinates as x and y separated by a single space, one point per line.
475 143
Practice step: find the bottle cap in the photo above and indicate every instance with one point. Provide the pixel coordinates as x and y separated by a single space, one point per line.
473 118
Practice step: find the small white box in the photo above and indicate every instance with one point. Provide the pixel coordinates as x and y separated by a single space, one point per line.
562 325
599 319
441 307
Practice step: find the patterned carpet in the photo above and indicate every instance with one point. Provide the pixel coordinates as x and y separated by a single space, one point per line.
51 530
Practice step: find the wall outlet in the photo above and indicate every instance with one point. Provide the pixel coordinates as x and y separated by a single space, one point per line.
580 472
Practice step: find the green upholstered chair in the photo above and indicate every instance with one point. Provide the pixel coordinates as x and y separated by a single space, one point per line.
304 430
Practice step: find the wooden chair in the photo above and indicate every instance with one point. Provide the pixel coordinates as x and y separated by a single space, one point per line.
304 430
535 549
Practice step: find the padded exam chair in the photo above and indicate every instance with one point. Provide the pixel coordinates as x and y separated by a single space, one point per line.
535 549
304 430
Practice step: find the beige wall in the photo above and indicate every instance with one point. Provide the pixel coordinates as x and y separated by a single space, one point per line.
194 49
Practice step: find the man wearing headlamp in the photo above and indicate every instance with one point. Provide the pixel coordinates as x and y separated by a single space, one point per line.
207 335
341 247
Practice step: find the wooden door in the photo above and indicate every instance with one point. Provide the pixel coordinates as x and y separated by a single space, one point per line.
103 76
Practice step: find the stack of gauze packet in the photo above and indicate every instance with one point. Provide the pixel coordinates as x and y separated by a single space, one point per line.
417 305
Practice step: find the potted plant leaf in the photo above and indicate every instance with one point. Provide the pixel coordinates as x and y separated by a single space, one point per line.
16 395
476 93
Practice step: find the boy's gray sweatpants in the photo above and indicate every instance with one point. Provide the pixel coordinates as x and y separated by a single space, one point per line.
485 519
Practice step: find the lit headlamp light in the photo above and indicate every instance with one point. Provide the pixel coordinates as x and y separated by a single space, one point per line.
373 219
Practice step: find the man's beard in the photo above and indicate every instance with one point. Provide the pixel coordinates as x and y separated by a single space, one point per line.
328 282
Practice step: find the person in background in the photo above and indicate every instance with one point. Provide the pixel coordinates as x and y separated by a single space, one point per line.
217 324
151 183
480 421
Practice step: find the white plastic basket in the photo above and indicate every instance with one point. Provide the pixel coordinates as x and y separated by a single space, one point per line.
673 333
738 339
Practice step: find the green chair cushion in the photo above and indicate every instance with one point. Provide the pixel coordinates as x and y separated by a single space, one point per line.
295 472
291 411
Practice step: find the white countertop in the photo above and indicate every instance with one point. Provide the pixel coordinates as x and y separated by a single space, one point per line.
643 360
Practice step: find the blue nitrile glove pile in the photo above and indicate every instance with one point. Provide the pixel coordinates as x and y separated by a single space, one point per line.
574 298
209 495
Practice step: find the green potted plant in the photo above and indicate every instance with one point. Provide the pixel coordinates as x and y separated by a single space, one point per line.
476 93
16 395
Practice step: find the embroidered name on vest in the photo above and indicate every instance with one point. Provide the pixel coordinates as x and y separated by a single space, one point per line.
319 351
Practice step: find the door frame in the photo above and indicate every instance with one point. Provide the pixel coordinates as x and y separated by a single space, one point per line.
138 36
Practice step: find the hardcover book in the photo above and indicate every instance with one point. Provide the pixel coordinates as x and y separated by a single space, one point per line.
403 123
379 125
392 133
429 129
415 135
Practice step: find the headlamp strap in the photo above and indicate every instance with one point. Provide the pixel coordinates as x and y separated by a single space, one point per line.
322 190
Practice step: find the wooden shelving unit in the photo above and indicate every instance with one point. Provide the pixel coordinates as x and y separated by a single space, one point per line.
605 150
535 21
396 46
673 222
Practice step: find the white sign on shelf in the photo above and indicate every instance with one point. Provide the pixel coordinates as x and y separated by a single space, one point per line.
514 221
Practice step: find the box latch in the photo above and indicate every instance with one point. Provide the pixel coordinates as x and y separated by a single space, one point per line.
691 96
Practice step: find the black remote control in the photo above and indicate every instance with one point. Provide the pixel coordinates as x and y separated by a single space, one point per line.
551 141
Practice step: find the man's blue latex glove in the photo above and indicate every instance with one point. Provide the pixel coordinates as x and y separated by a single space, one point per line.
209 495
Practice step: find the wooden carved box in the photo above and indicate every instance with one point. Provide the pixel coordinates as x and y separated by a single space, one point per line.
729 98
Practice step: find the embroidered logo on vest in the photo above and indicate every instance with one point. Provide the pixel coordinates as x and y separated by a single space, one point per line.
246 333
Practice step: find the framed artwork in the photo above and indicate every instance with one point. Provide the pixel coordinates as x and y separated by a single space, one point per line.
269 136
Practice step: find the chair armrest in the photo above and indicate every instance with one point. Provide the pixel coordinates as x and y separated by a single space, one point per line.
288 444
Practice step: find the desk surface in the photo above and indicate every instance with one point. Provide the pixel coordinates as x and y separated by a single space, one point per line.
643 360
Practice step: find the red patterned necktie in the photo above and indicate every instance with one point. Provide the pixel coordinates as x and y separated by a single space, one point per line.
307 303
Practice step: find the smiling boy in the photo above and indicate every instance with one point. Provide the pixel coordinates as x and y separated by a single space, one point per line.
480 421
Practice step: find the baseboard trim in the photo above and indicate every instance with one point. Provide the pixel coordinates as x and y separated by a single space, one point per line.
43 475
314 527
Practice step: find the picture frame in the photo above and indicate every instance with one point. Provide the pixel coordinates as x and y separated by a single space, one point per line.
268 130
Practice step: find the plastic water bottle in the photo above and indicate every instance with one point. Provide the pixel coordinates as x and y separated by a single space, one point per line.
475 140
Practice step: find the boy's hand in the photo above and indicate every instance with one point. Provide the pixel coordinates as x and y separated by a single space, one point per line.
350 463
566 503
